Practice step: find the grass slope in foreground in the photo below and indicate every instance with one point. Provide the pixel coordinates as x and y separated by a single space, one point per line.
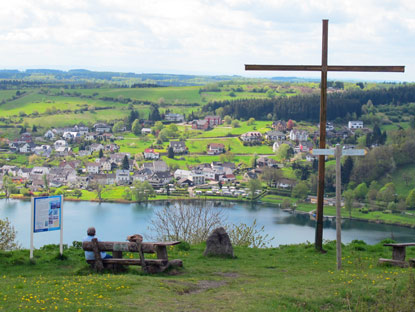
288 278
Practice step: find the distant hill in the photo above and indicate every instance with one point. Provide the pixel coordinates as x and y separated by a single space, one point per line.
84 75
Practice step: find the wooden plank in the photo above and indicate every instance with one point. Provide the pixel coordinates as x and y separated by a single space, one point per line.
165 243
283 67
132 261
402 264
399 244
339 68
369 68
124 246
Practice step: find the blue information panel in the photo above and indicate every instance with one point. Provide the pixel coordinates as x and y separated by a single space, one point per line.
47 213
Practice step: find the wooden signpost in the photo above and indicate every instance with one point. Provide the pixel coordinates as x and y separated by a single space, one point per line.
339 152
324 68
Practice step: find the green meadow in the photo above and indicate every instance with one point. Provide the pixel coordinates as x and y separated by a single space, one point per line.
287 278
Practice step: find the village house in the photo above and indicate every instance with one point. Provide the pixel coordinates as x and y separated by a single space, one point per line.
73 164
159 166
160 179
275 135
49 135
71 135
180 173
112 148
197 177
266 162
122 176
215 148
146 131
357 124
213 120
82 153
43 150
227 178
91 136
118 158
279 125
63 151
92 167
102 127
306 146
105 136
200 124
174 117
96 147
179 147
150 153
277 145
252 137
27 147
298 135
60 143
105 164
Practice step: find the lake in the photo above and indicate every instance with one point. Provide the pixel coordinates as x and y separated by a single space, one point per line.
114 221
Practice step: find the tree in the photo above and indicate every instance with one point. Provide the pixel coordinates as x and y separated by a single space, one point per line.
271 176
286 204
127 194
235 123
360 191
387 193
125 163
34 128
118 126
142 190
7 235
410 200
348 201
284 152
100 153
45 182
154 113
290 124
347 170
254 185
300 190
253 161
136 127
98 189
170 153
251 121
228 119
269 116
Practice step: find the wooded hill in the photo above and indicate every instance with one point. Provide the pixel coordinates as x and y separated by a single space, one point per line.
307 107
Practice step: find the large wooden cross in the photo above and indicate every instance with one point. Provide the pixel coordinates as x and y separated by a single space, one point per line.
324 68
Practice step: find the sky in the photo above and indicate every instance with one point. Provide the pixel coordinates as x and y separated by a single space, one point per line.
207 37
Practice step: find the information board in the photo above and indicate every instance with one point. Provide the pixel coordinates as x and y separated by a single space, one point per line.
47 213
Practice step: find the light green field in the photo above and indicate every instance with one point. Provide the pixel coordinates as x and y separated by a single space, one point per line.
200 146
6 94
224 130
72 118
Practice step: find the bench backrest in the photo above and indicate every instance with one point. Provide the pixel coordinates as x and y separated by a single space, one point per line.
148 247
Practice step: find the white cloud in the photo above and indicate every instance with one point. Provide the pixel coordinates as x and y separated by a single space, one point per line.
212 37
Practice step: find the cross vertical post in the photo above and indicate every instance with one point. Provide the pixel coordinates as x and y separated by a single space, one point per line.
322 142
324 68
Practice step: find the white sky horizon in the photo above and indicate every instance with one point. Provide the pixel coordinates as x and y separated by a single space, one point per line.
205 37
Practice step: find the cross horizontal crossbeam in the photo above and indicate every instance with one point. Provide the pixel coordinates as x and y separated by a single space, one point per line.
351 68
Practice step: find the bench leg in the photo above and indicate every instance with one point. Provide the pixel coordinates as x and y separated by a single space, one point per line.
399 253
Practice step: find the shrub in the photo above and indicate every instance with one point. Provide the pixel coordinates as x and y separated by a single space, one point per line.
7 235
248 235
188 223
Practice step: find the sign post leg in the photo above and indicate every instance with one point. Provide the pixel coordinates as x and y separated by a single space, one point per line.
32 220
61 228
338 207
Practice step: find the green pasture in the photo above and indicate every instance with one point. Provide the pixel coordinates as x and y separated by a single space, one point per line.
224 130
236 146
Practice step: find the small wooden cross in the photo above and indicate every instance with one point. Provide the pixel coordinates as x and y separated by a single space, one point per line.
324 68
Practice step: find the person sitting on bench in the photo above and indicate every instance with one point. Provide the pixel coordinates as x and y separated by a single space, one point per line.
89 255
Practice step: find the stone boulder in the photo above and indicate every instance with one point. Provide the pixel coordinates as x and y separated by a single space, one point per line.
219 244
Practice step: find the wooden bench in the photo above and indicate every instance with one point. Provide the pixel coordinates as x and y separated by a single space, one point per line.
399 255
116 263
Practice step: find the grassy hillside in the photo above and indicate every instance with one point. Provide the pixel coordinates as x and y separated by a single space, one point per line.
289 278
